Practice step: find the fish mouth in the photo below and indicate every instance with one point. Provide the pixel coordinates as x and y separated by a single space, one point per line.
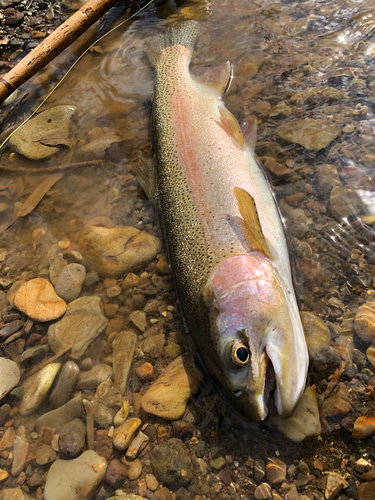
270 385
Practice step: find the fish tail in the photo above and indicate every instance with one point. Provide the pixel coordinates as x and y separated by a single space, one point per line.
184 34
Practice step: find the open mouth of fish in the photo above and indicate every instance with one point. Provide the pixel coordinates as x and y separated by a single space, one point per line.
270 385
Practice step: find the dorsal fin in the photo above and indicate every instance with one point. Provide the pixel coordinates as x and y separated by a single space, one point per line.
248 210
231 126
217 78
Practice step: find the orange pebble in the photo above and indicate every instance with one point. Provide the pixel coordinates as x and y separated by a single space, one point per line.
145 371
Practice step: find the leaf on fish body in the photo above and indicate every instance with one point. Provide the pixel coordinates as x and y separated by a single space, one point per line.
38 194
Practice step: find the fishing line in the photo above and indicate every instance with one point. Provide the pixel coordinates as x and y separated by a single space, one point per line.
71 67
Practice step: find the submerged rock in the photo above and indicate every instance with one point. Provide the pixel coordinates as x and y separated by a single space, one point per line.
9 376
76 479
304 422
364 323
69 283
107 402
35 388
39 301
38 138
115 251
318 336
124 434
345 201
58 418
363 427
171 463
66 382
311 134
168 395
82 323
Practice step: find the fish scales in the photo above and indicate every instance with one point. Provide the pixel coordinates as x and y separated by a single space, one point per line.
200 163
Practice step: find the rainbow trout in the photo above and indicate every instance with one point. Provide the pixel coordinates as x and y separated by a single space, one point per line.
224 235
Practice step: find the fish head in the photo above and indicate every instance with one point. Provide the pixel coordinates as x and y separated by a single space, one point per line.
258 337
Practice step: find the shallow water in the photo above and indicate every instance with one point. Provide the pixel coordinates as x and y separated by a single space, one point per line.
316 57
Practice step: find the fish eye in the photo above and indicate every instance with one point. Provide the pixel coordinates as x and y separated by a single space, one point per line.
240 353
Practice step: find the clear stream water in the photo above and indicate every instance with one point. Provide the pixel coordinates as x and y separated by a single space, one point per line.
280 50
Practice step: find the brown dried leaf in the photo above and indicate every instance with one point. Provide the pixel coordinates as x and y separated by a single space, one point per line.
38 194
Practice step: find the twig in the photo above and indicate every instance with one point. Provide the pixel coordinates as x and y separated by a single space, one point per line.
54 168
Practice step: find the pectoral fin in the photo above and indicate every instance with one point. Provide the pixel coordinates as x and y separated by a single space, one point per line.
248 210
217 78
231 126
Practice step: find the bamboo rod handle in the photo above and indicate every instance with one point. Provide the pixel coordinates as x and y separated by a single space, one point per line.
55 43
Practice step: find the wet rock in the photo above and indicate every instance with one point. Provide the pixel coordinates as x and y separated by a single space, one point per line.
281 109
34 355
145 371
45 454
172 464
20 450
65 384
116 473
138 318
325 363
328 177
338 404
122 414
345 201
317 96
56 266
82 323
58 418
364 323
4 414
334 483
36 388
366 491
72 438
263 492
107 402
370 353
9 376
124 434
39 301
217 463
123 350
115 251
137 445
13 290
6 442
69 283
103 443
318 336
363 427
127 496
304 421
14 494
96 149
309 133
76 479
91 379
275 471
10 328
152 482
135 470
168 395
37 139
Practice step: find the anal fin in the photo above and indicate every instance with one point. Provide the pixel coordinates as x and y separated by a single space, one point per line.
145 173
249 212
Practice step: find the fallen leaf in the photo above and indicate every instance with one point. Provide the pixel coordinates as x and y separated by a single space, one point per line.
38 194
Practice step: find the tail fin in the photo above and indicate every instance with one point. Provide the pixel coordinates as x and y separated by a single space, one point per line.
182 34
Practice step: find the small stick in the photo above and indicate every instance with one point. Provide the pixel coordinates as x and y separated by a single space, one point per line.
89 423
49 360
51 46
54 168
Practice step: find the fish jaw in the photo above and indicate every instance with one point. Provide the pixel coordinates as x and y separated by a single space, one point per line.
248 304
